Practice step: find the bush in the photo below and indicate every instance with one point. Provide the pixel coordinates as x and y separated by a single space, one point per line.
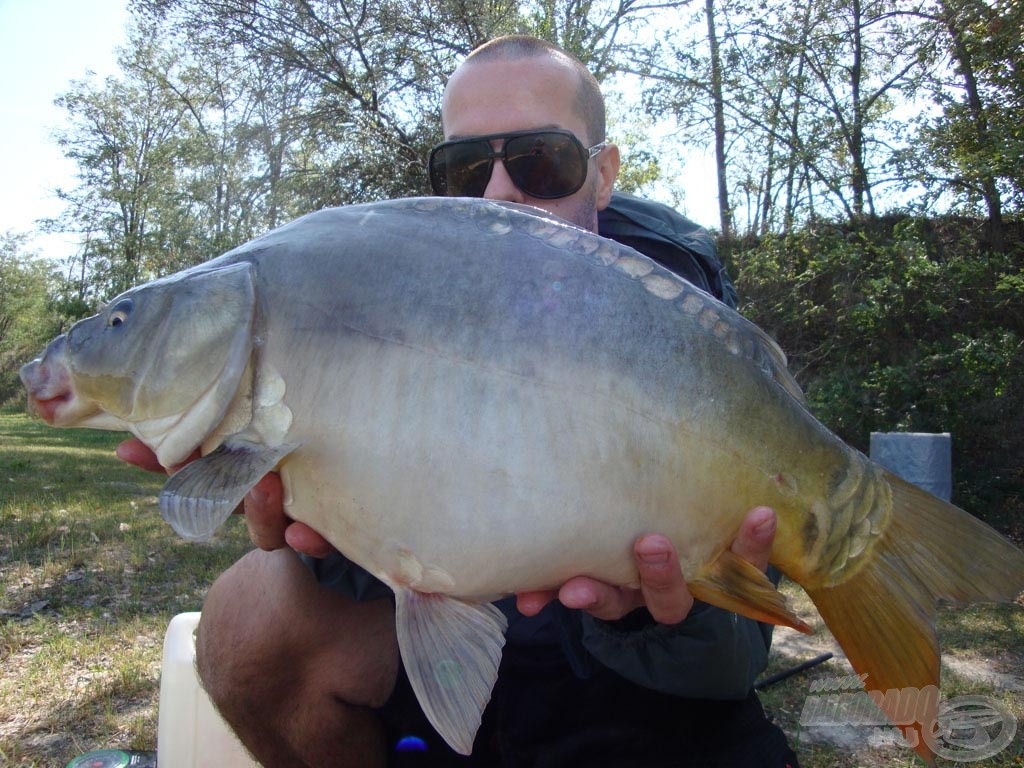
27 318
904 324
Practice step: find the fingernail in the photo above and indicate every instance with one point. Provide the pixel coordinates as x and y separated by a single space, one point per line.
578 597
653 549
653 558
765 526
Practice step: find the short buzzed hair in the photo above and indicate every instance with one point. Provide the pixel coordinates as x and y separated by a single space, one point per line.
589 99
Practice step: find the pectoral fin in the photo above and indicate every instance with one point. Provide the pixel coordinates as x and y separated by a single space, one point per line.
732 583
451 651
202 495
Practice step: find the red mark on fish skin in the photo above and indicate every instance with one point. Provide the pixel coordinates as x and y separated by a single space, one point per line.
786 483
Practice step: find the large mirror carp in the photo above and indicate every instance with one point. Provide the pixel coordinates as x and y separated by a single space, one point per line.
470 399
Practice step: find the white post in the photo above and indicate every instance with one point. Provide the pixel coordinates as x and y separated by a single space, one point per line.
922 458
190 732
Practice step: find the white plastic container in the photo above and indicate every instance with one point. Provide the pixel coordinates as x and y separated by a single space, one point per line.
191 734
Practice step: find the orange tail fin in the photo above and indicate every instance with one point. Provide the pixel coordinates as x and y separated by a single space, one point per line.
883 616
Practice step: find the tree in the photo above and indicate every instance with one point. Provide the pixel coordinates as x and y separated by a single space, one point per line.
123 137
718 111
238 146
373 87
973 147
27 319
230 117
798 99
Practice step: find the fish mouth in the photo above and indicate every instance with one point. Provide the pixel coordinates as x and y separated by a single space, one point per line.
48 381
48 408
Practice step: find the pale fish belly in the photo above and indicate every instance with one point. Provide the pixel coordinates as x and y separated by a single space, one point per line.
452 476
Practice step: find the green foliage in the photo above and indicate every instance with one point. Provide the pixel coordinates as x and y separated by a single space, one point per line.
978 140
228 119
28 318
639 166
904 324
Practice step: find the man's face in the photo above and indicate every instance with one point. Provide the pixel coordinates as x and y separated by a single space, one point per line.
523 94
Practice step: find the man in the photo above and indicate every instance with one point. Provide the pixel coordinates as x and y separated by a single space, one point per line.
306 670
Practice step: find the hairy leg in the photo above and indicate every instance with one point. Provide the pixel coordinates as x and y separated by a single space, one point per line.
295 668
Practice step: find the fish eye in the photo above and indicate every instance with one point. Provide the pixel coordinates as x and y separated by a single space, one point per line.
119 314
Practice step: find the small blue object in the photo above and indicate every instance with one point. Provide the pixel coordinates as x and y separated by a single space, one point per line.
411 744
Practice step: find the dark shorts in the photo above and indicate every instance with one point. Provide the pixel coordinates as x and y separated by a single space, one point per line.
541 715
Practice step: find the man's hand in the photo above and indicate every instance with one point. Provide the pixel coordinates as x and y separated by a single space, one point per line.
269 527
135 452
662 587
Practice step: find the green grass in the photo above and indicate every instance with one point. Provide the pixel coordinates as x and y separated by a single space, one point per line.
90 575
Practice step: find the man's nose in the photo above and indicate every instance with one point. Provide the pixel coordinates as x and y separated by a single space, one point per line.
500 186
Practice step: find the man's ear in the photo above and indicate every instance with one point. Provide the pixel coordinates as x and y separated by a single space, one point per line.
608 168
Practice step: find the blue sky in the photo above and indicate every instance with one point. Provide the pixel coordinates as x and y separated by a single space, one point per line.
44 44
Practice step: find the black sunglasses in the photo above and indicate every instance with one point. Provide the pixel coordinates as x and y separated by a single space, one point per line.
545 164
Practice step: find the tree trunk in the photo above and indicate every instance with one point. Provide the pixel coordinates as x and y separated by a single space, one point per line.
724 209
989 189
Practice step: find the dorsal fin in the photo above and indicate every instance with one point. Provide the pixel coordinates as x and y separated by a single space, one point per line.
777 365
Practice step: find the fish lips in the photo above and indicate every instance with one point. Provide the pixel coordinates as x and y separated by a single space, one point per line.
51 392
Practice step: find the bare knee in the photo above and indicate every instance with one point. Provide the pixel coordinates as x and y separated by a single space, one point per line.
288 662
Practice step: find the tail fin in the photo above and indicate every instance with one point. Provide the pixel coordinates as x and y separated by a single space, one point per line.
883 616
